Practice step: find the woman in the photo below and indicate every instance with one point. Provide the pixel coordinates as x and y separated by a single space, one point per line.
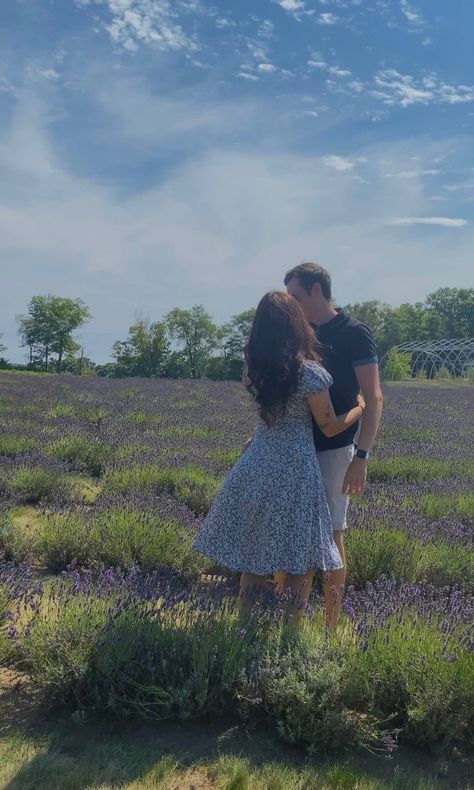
271 514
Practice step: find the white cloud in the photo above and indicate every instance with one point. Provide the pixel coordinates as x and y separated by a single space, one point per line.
412 14
328 19
337 72
246 75
317 64
290 5
338 163
266 68
404 90
412 173
155 23
444 222
459 187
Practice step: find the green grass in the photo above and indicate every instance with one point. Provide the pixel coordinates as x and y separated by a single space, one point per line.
84 758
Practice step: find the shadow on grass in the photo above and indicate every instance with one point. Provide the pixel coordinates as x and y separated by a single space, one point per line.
41 747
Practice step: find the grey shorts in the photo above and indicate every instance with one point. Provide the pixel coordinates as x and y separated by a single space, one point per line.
334 464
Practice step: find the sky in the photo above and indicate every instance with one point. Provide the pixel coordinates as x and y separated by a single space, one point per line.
163 153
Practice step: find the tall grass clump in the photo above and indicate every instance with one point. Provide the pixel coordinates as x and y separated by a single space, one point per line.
380 551
121 537
85 454
437 506
411 469
193 486
11 446
35 484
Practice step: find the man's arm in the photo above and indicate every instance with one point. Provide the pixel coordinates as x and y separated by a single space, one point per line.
369 383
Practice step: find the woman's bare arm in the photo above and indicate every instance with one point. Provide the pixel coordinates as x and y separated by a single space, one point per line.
325 417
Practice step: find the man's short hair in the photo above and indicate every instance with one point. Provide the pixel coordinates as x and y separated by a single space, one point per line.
308 274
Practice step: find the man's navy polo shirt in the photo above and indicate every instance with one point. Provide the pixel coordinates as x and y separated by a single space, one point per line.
346 344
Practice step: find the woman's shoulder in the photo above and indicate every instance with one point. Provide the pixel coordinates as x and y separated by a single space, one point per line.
314 378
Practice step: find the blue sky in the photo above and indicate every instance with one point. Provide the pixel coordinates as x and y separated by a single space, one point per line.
159 153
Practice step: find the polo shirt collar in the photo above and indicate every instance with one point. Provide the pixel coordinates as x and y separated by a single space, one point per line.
334 322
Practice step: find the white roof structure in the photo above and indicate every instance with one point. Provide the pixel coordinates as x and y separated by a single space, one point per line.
457 355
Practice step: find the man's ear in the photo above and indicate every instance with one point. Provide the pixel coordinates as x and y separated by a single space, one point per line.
316 290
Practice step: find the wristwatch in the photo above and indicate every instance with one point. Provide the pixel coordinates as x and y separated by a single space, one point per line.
362 454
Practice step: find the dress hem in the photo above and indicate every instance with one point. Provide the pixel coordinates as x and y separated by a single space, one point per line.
258 572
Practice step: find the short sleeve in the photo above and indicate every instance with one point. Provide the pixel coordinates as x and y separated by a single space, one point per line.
314 379
362 348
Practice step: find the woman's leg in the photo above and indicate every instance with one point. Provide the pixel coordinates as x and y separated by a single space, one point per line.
334 584
298 587
251 587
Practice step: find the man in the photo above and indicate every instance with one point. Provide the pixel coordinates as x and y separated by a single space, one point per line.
350 356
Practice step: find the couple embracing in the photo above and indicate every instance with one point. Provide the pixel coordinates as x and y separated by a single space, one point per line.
281 511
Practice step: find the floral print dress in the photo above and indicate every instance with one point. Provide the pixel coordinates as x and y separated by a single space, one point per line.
271 514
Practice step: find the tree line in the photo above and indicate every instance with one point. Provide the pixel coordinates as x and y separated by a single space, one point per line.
188 344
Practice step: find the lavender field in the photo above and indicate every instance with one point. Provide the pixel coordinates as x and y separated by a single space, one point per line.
104 604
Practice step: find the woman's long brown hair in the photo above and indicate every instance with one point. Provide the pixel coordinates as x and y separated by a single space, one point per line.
281 338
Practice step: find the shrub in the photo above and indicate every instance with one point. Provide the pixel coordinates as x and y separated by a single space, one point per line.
443 373
301 688
134 647
397 366
419 671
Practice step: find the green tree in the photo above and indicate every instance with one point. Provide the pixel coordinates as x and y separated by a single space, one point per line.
453 312
235 337
144 352
48 327
397 366
382 321
3 361
197 334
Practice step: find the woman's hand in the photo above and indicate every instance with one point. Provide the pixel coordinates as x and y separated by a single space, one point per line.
361 401
246 445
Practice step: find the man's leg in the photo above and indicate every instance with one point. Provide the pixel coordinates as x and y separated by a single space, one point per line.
334 585
333 465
